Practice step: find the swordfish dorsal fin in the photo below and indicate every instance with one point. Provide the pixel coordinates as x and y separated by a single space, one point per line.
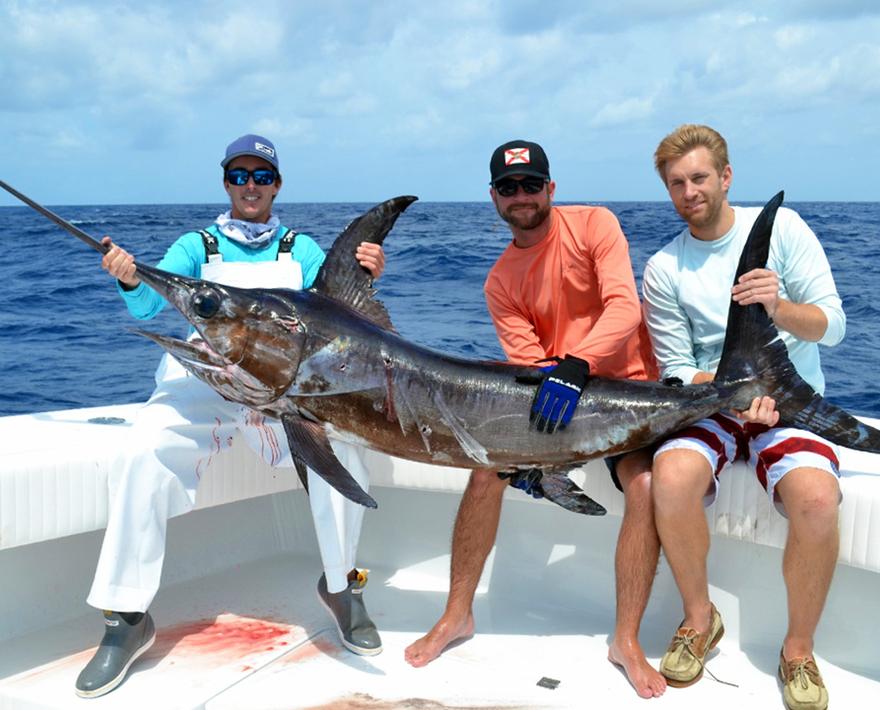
342 278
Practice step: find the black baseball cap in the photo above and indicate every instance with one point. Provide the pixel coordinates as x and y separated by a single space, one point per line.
519 158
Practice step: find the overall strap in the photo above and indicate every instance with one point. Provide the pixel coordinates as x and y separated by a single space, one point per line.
212 253
285 245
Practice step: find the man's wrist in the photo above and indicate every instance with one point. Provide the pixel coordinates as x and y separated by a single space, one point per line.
127 287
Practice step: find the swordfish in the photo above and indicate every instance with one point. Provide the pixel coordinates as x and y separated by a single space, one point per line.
327 362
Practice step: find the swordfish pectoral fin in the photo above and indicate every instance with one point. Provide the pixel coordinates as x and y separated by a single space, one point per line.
473 448
309 445
302 472
560 489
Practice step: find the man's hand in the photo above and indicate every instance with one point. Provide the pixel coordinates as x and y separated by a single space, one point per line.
558 394
528 481
762 411
758 286
119 264
371 257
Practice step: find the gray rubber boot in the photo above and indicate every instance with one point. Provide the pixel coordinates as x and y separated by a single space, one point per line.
356 630
122 644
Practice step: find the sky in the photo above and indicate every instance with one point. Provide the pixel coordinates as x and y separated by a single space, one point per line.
135 102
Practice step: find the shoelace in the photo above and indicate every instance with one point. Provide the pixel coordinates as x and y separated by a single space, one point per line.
804 672
688 643
718 680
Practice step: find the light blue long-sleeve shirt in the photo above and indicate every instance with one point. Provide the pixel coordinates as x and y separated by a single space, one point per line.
686 290
187 255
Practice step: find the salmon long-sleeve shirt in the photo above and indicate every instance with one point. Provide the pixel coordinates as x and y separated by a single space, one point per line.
573 293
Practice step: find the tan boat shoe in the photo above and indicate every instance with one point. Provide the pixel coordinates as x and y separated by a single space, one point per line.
682 664
802 686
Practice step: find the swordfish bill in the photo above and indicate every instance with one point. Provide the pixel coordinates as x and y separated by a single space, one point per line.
327 362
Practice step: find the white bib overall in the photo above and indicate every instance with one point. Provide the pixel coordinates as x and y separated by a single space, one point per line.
173 439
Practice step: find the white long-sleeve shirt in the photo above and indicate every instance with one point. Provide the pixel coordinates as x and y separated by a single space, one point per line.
686 291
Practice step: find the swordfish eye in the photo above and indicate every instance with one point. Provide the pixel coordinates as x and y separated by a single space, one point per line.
206 303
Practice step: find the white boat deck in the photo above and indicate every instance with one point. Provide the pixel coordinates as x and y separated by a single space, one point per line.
239 624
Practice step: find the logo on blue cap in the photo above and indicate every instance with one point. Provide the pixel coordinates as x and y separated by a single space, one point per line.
251 144
268 150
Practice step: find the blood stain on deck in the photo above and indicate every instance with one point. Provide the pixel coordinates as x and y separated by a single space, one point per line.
317 647
226 637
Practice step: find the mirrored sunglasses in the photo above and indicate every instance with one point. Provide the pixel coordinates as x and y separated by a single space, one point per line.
261 176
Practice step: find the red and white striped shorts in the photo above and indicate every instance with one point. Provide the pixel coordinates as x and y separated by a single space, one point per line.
770 452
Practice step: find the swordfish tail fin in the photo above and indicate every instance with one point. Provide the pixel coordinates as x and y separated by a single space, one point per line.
755 361
804 408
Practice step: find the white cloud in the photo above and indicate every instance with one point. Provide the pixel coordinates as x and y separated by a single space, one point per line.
336 85
743 19
465 71
792 36
401 79
624 112
293 129
66 139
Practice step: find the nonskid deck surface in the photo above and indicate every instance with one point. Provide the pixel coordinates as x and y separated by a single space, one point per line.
269 645
254 636
278 650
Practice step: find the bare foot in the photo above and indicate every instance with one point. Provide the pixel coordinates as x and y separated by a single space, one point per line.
646 680
432 644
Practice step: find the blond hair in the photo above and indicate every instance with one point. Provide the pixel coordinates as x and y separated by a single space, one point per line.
686 138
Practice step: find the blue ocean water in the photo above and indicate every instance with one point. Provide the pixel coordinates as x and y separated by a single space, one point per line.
66 340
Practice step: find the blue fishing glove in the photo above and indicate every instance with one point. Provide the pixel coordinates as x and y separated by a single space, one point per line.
528 481
558 394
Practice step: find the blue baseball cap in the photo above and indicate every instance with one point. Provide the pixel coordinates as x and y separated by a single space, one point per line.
251 145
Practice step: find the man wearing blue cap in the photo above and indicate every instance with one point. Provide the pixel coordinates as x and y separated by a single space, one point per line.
185 423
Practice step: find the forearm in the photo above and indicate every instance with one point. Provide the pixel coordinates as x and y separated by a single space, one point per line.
522 347
181 258
142 301
803 320
701 378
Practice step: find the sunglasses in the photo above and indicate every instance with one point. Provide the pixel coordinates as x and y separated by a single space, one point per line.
261 176
507 187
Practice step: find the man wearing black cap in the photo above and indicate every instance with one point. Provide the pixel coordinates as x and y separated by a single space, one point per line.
562 292
185 423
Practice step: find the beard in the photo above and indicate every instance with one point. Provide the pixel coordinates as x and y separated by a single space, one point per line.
525 217
709 216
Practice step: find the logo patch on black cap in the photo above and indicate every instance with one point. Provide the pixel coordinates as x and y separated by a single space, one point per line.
517 156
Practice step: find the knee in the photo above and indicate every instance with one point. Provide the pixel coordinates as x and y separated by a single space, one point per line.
636 486
485 483
663 475
816 506
679 476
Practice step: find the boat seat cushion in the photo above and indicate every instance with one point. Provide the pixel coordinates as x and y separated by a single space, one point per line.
54 466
